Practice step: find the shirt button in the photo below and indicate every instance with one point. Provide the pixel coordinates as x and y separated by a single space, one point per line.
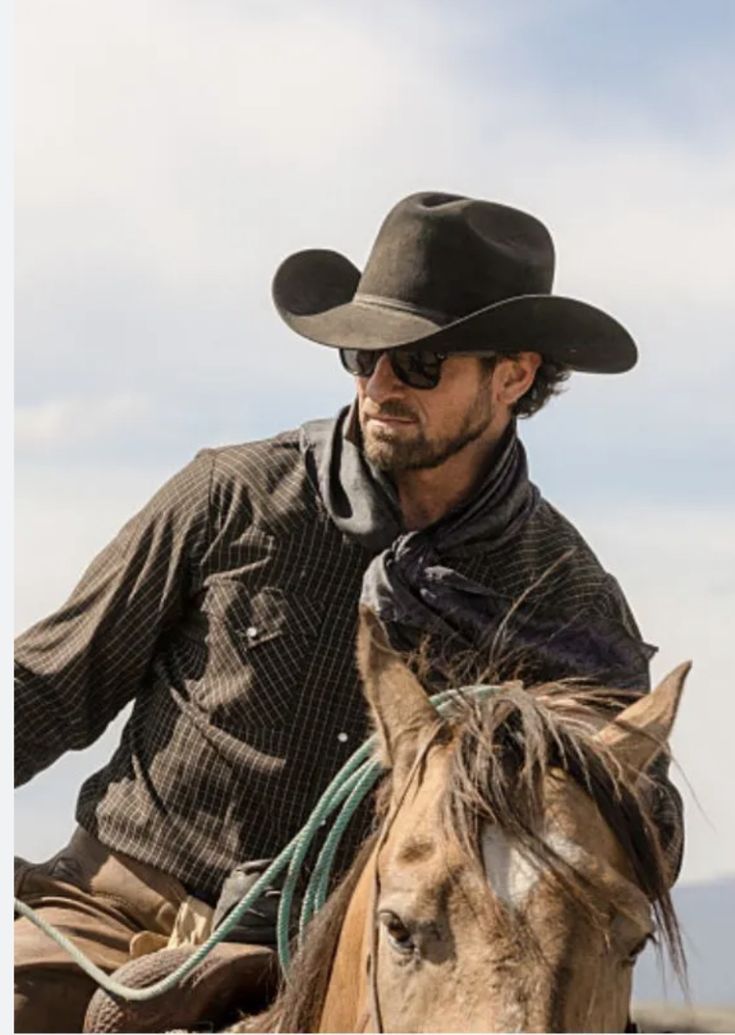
251 632
342 737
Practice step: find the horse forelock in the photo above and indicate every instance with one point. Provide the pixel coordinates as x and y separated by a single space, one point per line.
502 749
505 747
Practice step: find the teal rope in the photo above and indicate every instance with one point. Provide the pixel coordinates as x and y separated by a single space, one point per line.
348 789
336 792
141 995
318 887
364 779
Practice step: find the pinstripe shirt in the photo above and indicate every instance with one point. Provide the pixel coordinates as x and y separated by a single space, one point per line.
226 610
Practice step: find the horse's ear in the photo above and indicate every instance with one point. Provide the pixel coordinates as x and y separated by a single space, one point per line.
400 707
642 730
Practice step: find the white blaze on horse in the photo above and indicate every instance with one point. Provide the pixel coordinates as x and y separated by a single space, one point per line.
517 873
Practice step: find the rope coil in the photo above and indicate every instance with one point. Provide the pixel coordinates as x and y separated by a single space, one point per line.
348 789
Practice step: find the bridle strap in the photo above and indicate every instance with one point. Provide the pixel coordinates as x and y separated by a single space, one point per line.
375 1011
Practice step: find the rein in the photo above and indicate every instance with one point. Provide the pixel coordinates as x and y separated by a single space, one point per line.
345 793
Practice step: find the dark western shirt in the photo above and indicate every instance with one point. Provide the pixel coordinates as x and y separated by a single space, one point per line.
226 611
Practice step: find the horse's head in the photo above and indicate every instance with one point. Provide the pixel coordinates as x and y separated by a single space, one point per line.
518 875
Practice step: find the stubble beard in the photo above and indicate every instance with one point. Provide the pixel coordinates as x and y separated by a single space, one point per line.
392 454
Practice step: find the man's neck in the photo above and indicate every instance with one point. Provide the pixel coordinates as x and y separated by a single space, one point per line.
427 495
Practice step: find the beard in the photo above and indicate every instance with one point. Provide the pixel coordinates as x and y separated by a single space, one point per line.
394 450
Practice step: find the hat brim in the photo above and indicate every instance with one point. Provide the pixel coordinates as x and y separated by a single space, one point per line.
314 294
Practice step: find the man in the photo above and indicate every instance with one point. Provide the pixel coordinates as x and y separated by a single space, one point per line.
226 608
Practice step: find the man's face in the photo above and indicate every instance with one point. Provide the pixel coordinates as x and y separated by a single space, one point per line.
407 428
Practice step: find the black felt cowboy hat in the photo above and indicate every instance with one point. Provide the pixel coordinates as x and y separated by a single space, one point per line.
455 275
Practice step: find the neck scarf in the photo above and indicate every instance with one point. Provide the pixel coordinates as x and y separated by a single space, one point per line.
412 583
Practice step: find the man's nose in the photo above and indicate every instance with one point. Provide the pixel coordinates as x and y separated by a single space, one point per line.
383 382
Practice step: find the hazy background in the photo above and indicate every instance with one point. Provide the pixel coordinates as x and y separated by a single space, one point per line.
170 154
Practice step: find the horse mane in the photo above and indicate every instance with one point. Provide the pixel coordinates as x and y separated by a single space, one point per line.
300 1001
503 747
507 744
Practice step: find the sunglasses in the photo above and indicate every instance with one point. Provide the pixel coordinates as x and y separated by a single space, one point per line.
417 368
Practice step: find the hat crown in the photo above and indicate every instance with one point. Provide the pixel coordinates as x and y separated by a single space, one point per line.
453 255
452 274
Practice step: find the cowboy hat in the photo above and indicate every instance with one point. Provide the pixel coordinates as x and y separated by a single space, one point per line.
452 274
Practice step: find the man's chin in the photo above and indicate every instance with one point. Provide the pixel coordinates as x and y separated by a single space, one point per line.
384 455
393 457
388 448
393 452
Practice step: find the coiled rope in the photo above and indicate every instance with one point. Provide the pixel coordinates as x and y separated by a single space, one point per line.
348 789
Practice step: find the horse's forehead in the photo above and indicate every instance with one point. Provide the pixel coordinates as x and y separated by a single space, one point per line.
571 813
510 872
418 821
574 830
430 788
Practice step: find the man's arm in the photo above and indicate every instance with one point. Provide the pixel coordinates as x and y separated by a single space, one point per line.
76 669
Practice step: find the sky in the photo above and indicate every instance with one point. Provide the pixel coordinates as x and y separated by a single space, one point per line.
170 155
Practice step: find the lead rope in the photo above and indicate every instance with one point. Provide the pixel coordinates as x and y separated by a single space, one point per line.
348 789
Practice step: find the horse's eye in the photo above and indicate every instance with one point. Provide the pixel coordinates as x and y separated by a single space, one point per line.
399 935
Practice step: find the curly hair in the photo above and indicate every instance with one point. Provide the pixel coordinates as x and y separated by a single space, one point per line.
549 381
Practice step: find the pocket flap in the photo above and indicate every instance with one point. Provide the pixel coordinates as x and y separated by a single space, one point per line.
261 615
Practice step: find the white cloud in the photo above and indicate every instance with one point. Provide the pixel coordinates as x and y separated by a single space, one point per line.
68 422
174 128
170 156
198 148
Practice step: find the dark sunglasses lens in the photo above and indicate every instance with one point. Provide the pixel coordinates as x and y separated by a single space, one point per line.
417 368
360 362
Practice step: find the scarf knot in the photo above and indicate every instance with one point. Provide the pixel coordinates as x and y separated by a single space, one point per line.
412 583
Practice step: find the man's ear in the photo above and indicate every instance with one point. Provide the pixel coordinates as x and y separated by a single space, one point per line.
516 375
399 705
642 730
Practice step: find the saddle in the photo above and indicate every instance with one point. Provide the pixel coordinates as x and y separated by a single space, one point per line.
234 980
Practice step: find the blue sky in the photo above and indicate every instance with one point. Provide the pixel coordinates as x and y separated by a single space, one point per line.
170 155
633 59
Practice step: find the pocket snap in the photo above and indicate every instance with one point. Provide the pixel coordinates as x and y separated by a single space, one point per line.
261 654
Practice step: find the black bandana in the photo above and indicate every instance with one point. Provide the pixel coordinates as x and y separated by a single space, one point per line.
411 583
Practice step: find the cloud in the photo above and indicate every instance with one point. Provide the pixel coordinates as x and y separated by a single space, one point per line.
201 147
68 422
194 146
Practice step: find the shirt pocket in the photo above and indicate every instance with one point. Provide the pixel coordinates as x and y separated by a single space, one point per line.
261 646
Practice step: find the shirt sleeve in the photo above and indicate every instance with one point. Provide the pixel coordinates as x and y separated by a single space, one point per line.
78 668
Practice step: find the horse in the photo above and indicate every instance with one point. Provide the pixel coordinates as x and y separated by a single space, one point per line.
516 875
